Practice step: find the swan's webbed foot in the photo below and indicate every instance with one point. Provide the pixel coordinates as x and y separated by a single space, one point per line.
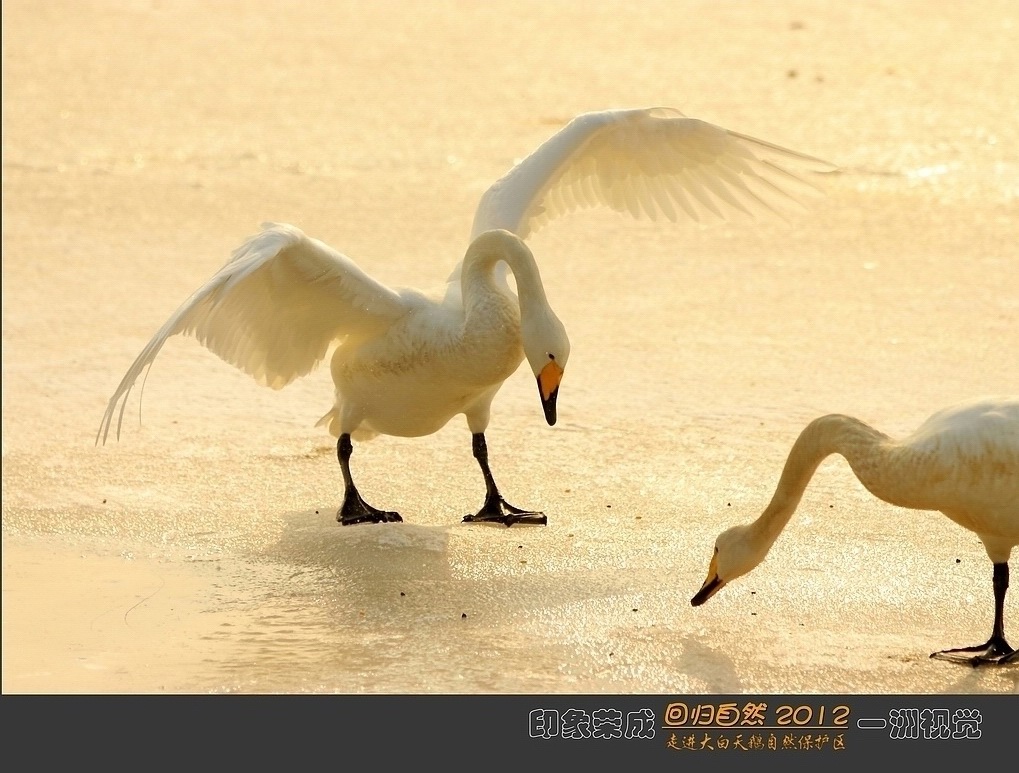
356 510
498 510
996 651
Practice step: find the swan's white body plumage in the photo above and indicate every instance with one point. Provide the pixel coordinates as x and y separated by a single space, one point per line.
966 465
406 362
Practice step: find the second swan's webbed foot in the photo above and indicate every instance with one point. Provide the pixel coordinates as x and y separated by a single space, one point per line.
996 651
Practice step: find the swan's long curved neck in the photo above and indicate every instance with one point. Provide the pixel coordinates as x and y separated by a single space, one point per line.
868 452
479 273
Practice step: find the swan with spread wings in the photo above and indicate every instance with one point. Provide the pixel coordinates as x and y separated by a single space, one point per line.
405 362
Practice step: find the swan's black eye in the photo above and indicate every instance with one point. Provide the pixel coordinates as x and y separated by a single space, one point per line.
551 356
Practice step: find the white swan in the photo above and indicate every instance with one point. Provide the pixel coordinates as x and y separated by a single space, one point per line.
963 461
406 362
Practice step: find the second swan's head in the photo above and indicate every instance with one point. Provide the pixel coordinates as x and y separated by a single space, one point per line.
737 551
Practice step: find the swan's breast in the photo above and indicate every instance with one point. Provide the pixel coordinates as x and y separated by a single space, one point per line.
427 368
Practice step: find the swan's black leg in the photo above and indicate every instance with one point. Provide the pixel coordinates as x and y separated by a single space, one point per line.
996 650
354 509
496 509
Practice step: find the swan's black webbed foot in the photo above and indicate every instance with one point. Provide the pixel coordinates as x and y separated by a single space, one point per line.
356 510
498 510
996 651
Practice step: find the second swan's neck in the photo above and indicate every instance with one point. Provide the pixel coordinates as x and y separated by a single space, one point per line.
868 452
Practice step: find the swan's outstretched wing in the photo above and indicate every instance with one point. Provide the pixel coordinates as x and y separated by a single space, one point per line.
653 162
273 311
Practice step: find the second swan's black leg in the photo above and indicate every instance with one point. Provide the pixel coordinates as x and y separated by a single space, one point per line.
496 509
996 650
354 509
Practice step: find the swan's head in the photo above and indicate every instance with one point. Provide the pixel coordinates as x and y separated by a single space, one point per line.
547 349
737 551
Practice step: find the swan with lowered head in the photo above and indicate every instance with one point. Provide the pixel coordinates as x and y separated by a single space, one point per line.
962 461
405 362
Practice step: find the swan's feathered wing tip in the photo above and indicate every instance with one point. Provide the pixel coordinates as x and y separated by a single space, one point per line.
654 163
274 311
779 154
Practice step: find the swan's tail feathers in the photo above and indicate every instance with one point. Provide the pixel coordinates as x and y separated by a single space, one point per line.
331 421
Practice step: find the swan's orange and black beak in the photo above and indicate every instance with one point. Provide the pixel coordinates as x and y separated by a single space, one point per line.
711 585
548 388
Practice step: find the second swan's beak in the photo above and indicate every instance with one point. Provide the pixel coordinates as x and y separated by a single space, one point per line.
711 585
548 388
